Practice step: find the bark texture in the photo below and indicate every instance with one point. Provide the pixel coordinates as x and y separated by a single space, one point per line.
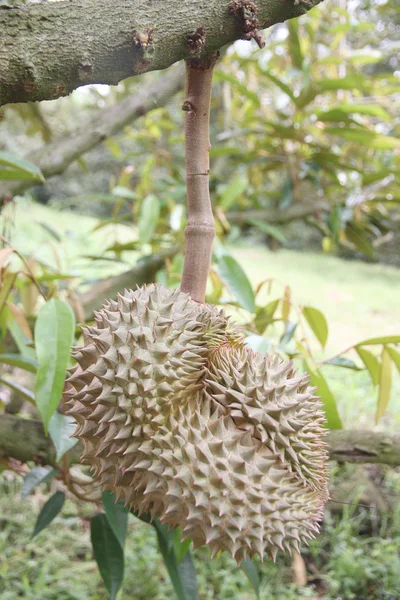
143 272
364 446
25 440
54 157
48 49
200 230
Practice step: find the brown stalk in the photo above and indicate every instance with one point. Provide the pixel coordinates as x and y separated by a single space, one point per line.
200 230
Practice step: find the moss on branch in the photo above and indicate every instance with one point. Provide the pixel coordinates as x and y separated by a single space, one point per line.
48 49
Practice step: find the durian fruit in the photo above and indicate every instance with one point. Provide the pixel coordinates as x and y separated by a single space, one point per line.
180 419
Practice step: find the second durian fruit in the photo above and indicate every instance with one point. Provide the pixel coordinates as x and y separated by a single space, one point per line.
181 420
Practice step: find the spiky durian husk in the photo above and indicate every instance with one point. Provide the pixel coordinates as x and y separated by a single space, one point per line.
181 420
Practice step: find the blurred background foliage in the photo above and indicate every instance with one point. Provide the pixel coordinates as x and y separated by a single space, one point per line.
305 189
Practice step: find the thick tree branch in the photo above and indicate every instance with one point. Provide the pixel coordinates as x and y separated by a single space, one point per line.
24 440
364 446
143 272
54 157
48 49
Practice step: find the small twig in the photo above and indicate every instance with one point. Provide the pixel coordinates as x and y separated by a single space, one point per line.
79 495
345 351
200 230
30 272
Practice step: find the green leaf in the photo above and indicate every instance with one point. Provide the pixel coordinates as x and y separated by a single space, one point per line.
124 192
366 138
165 543
54 234
149 214
237 282
295 51
371 362
165 538
317 322
270 230
20 332
181 547
385 384
49 511
286 303
328 399
122 247
371 177
265 315
288 334
395 356
225 151
341 361
54 277
18 168
253 574
241 87
108 554
61 427
284 87
233 191
54 333
187 573
20 389
350 82
35 477
117 516
386 339
20 361
343 110
7 281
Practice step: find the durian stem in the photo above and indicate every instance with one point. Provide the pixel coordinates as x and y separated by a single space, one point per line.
200 230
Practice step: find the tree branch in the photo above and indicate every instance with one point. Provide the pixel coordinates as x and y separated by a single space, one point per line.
143 272
200 231
364 446
54 157
48 49
25 440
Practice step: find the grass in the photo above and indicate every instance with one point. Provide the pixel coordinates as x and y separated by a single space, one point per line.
359 300
355 557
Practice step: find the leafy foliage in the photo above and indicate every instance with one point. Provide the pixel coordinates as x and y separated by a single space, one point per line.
54 331
49 511
307 123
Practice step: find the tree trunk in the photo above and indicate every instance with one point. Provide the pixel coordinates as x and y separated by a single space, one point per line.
48 49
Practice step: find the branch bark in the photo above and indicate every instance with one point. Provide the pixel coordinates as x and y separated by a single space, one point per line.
48 49
200 231
25 440
364 446
143 272
54 157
